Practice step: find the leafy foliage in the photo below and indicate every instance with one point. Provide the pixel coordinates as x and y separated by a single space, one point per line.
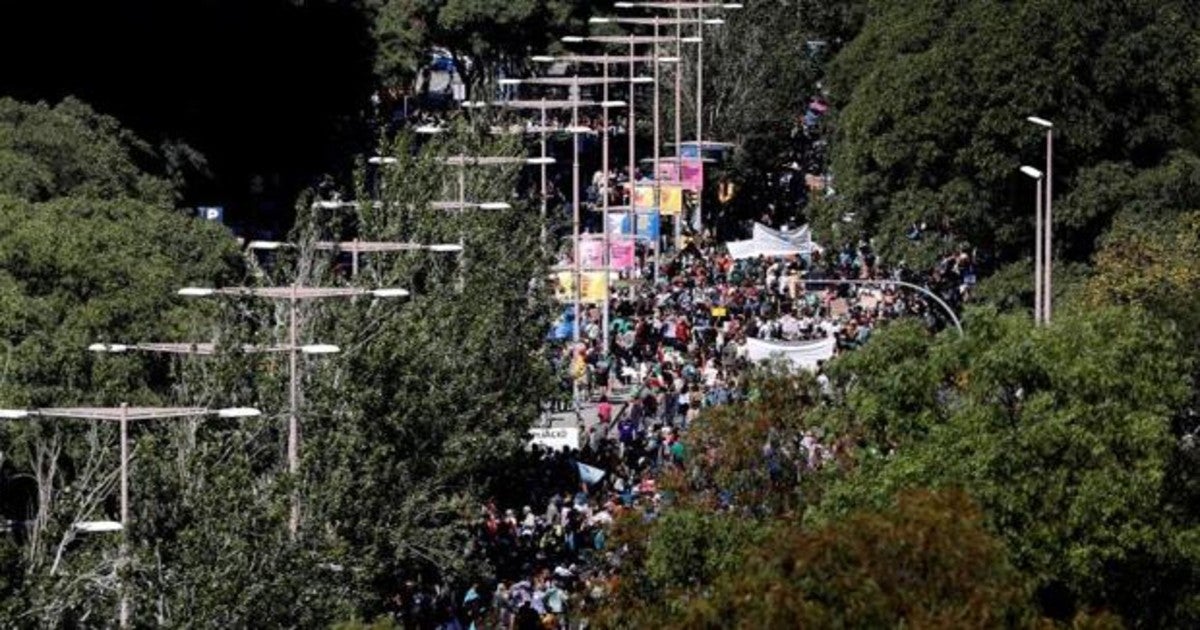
927 561
932 99
70 150
482 35
1064 437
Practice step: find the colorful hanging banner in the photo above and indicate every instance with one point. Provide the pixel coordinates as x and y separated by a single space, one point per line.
620 256
691 173
647 225
591 253
668 172
643 197
621 253
670 199
591 286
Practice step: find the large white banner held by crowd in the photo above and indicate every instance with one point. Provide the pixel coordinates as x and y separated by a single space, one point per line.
769 242
802 354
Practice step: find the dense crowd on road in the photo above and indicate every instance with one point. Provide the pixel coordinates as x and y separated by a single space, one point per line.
677 346
689 329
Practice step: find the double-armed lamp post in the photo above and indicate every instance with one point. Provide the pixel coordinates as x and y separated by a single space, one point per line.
700 22
293 295
123 415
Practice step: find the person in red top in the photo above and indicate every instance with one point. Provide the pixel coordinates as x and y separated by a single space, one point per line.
604 410
682 332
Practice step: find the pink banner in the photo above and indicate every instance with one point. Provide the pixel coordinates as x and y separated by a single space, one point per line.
591 253
691 173
668 171
621 253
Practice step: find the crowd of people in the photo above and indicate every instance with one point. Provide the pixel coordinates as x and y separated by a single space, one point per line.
690 329
677 342
678 346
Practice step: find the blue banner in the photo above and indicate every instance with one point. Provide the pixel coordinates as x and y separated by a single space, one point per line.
647 225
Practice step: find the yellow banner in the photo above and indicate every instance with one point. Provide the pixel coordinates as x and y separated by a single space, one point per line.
591 286
643 197
671 198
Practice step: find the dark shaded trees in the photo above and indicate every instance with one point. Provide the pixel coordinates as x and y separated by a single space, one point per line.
931 101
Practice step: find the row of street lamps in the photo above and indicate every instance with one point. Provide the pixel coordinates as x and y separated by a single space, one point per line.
1043 295
293 294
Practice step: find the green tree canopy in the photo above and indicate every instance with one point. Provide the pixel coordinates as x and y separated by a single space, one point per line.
925 561
71 150
931 100
490 34
1065 435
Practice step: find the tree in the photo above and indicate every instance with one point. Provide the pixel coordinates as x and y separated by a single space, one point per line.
481 35
432 397
70 150
1065 436
926 561
931 99
1152 262
89 251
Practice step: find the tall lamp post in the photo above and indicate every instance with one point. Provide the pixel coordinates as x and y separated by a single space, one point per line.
293 295
1048 292
657 22
543 106
631 40
123 415
1038 315
700 22
576 82
462 162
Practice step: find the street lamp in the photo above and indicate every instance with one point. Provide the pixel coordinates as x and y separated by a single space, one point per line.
356 247
657 21
631 40
1038 316
700 23
575 82
543 106
293 294
206 349
123 415
1048 294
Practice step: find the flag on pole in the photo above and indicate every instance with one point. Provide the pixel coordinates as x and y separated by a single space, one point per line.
589 474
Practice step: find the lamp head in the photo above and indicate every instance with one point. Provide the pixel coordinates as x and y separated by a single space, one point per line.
238 412
108 347
97 527
388 293
1032 172
320 348
196 291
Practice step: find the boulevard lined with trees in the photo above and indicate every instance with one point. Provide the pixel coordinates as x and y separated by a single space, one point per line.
1011 476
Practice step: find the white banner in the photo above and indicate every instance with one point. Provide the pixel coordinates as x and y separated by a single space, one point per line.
802 354
555 438
769 242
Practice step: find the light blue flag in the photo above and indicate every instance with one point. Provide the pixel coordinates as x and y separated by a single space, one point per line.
589 474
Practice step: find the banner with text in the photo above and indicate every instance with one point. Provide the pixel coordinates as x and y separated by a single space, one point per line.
555 439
